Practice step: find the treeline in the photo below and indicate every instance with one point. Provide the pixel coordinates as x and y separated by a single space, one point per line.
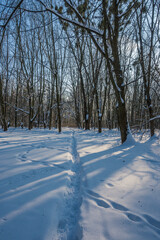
86 64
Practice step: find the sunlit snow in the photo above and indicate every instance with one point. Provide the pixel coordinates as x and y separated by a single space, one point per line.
78 185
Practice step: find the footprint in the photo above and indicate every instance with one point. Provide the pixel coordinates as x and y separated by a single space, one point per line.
152 221
102 203
113 204
118 206
99 202
133 217
110 185
94 194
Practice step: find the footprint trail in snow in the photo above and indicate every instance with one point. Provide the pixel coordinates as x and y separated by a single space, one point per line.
106 203
69 227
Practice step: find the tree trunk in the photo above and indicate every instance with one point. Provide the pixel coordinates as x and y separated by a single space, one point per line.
58 106
30 114
51 103
16 104
122 122
2 107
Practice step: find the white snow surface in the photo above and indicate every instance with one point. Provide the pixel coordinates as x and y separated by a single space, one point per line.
78 185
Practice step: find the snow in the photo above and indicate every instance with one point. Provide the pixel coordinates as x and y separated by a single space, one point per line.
78 185
157 117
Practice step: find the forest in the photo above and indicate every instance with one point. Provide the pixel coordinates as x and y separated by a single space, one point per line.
83 63
79 119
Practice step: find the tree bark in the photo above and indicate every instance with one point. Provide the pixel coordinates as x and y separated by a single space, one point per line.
2 107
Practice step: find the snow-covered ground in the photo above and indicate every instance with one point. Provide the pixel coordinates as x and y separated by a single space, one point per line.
78 185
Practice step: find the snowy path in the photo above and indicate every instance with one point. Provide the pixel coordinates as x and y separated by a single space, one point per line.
78 186
69 227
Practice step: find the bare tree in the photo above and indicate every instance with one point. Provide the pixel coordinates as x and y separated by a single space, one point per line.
113 16
147 16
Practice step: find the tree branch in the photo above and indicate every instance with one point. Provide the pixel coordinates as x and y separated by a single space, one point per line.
9 18
78 24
